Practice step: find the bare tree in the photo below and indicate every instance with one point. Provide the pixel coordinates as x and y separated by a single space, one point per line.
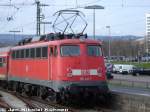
127 48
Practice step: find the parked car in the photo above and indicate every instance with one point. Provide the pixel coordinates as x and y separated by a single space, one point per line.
140 71
123 68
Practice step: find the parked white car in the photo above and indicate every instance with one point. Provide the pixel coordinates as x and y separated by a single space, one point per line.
123 68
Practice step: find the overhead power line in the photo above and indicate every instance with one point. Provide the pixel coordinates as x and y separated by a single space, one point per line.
10 17
39 17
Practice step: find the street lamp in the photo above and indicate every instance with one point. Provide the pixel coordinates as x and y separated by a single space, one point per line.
109 33
14 31
94 7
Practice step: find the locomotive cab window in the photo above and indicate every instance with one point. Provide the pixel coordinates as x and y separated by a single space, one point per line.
70 50
94 50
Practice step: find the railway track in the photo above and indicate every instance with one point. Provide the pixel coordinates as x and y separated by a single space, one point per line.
41 105
4 106
36 104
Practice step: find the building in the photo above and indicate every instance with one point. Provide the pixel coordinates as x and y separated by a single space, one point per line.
140 41
147 37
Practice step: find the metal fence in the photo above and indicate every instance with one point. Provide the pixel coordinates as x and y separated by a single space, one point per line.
129 83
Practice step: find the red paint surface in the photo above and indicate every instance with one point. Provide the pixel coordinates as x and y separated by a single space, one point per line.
55 68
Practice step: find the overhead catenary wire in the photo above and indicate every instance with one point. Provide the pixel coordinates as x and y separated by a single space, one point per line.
10 16
78 5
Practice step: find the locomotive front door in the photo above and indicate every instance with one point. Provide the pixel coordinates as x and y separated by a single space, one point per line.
52 58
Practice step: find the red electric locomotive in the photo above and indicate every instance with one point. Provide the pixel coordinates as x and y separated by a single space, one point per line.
56 66
64 67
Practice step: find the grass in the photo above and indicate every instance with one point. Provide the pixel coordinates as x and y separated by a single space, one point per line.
141 64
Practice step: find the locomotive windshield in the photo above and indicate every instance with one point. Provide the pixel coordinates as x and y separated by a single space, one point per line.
94 50
70 50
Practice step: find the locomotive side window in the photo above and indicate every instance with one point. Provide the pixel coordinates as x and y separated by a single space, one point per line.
32 52
70 50
22 53
44 52
27 53
4 60
38 52
94 50
1 62
17 54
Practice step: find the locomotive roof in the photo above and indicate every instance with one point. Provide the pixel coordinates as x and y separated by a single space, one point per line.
57 42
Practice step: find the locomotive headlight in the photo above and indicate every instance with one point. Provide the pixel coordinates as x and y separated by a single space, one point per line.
69 72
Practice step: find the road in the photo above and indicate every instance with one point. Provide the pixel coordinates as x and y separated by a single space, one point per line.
138 85
129 90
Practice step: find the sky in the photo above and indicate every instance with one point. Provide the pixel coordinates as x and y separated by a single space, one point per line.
125 17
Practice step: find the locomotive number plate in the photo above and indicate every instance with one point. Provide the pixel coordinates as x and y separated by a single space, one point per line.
85 78
85 72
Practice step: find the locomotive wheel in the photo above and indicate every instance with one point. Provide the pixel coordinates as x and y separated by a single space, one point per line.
35 91
3 84
39 91
58 98
44 93
10 86
62 96
65 97
14 86
21 88
108 98
51 95
23 91
28 90
52 98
